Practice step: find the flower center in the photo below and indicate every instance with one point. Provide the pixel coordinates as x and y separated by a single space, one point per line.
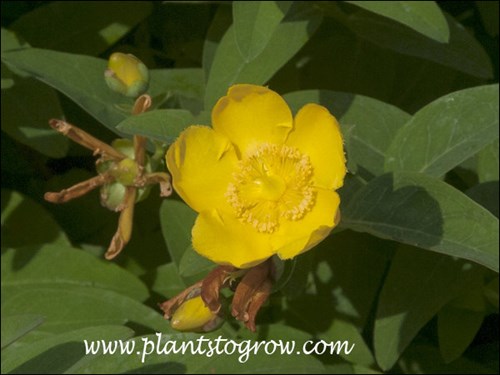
272 183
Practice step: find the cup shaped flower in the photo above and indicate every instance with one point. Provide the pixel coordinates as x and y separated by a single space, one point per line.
262 181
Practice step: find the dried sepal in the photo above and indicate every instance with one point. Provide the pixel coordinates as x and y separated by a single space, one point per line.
125 223
86 140
212 284
251 293
173 303
78 190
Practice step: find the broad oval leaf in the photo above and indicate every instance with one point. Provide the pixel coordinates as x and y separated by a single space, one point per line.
429 281
59 353
424 17
176 219
230 67
86 27
423 211
25 222
82 79
63 265
463 52
79 77
446 132
254 24
161 124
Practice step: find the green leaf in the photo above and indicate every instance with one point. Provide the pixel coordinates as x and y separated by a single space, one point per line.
255 23
176 219
487 163
446 132
463 52
66 307
161 124
25 222
79 77
59 353
419 210
53 265
486 194
91 28
158 362
193 265
167 280
426 359
424 17
16 326
456 330
30 127
374 124
188 82
347 332
220 23
417 286
71 290
230 67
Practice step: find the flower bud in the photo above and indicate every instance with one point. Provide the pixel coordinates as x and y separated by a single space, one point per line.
127 75
193 316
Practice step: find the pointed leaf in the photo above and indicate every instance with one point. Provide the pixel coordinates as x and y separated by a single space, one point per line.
424 17
429 281
230 67
255 23
423 211
446 132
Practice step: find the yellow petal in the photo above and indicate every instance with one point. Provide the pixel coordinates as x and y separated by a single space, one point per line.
201 163
317 134
250 115
296 237
223 239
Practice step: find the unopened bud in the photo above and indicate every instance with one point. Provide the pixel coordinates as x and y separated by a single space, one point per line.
193 316
127 75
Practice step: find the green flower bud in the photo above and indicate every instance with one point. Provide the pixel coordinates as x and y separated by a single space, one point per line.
193 316
127 75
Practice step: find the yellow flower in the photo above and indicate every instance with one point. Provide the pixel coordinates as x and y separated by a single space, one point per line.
262 182
126 74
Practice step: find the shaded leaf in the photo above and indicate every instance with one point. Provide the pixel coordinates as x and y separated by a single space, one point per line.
25 222
426 359
446 132
419 210
424 17
26 109
463 52
456 329
80 27
57 354
230 67
433 280
486 194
